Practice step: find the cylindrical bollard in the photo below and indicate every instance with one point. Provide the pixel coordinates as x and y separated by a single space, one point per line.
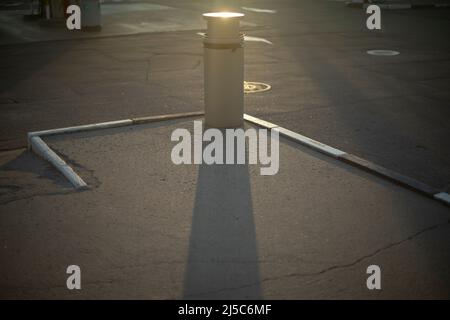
91 14
224 70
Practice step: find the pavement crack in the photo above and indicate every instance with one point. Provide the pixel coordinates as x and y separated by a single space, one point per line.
362 258
331 268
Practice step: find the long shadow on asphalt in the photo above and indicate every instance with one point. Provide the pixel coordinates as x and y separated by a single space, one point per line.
222 249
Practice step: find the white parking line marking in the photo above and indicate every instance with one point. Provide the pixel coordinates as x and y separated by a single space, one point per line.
383 52
259 10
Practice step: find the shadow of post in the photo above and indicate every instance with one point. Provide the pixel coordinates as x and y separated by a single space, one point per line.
222 262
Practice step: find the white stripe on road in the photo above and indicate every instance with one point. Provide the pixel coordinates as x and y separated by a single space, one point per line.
259 10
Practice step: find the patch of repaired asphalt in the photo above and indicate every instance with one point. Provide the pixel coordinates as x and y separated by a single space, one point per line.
24 175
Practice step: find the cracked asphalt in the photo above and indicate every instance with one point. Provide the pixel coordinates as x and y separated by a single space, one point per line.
144 228
149 229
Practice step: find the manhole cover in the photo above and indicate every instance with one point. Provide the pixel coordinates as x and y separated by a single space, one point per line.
383 52
253 87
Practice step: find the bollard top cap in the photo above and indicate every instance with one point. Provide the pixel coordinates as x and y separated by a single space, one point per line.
225 15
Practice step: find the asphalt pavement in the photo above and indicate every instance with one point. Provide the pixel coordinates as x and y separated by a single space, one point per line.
149 229
392 110
309 232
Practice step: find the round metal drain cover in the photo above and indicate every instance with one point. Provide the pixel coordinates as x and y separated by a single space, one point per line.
254 87
383 52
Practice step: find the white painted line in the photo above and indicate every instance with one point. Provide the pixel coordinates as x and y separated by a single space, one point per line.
443 196
41 148
259 122
259 10
95 126
310 142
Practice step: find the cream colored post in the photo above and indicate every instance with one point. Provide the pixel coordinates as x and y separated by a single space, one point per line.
223 70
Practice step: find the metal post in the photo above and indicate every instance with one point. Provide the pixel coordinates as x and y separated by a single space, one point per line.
90 14
224 70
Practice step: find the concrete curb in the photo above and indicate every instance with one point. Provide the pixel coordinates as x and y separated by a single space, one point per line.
443 196
167 117
259 122
42 149
36 144
355 161
316 145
